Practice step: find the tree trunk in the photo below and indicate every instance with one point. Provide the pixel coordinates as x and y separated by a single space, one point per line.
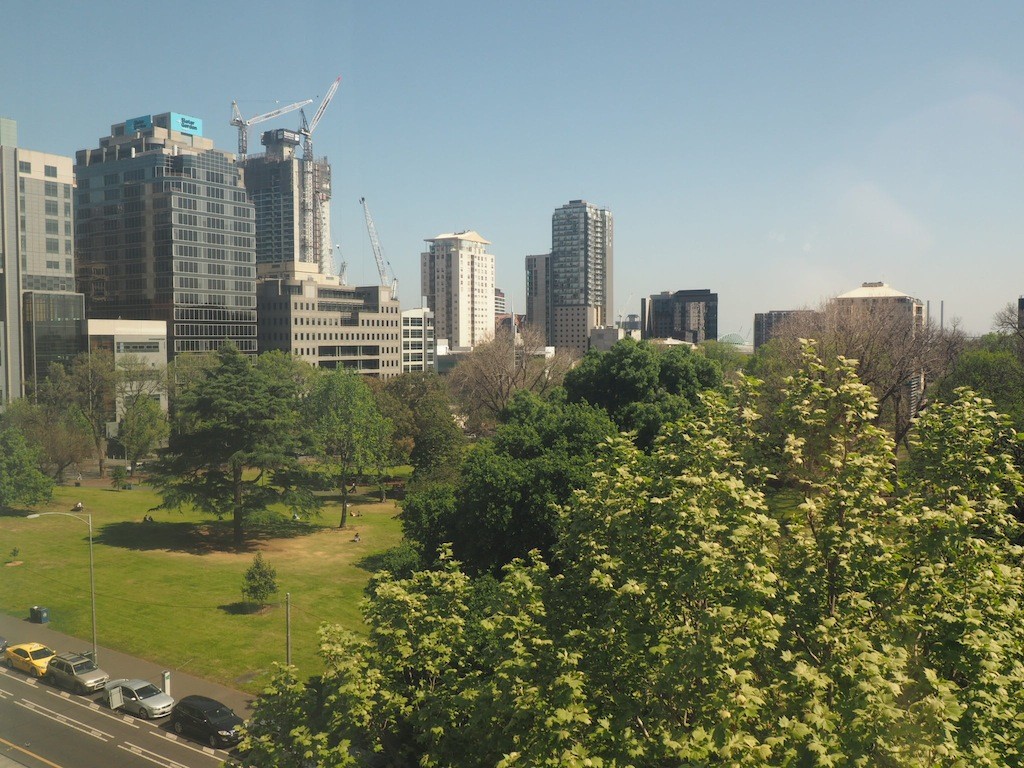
344 502
236 518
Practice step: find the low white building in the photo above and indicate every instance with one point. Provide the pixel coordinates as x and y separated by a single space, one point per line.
418 344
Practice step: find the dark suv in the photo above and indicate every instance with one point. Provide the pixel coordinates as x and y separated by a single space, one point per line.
208 719
76 673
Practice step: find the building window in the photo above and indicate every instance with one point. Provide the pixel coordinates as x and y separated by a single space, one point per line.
50 189
24 167
52 245
50 170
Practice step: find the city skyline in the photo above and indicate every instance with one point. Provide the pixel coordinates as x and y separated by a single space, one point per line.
777 156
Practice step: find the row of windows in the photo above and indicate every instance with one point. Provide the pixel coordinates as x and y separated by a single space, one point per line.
48 170
216 299
202 329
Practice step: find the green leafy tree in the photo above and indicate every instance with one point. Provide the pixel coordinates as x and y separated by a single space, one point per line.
691 622
143 428
87 390
642 386
504 502
234 433
119 478
260 581
21 482
993 370
348 432
59 435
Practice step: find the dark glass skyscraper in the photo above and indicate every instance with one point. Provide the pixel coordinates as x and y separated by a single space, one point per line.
166 232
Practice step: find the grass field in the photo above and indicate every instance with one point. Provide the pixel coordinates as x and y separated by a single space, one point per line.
170 590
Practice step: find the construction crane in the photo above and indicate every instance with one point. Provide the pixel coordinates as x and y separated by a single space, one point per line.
342 265
383 267
315 191
243 124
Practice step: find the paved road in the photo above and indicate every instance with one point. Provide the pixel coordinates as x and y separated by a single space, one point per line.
44 727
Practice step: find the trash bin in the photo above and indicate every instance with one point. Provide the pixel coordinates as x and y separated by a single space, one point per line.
39 615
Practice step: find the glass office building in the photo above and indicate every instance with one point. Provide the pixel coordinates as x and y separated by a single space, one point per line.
165 231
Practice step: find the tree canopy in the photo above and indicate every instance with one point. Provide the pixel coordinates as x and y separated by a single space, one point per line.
692 622
21 482
642 386
347 430
503 503
235 430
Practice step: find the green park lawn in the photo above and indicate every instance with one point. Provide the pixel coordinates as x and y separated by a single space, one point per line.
170 590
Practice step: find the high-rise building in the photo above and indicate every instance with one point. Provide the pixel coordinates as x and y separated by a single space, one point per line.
286 244
538 297
418 344
457 280
166 232
42 318
684 315
766 324
881 297
580 286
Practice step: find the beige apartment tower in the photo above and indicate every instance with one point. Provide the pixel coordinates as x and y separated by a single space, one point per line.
457 279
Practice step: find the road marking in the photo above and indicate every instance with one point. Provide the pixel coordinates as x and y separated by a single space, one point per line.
92 705
208 751
40 758
4 693
57 717
153 757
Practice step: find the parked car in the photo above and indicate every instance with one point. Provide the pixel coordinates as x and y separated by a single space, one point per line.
208 719
138 697
28 657
76 673
3 644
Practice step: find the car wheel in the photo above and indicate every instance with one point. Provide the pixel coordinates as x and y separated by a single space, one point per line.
37 673
177 727
82 690
144 714
213 741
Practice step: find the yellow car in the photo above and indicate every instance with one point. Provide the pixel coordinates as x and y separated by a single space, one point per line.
33 658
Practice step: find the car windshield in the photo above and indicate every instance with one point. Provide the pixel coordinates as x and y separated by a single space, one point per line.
40 653
220 715
83 666
147 691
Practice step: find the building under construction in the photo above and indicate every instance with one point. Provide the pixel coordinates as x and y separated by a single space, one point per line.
293 233
303 308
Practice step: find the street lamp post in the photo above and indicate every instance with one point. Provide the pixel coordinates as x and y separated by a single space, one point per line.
87 519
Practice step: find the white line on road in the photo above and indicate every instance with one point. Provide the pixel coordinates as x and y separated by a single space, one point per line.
182 743
92 705
57 717
153 757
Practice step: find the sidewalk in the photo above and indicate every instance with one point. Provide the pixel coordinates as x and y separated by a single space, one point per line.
21 630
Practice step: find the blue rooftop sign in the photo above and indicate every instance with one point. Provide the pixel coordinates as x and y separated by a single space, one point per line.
186 124
134 124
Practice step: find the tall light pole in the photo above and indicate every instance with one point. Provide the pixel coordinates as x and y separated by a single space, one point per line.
87 519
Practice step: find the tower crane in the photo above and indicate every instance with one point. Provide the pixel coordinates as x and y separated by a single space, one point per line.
315 190
243 124
383 266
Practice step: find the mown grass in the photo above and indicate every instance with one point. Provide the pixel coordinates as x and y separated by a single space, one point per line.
170 590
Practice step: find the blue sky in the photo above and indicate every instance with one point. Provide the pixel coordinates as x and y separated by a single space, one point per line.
777 153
